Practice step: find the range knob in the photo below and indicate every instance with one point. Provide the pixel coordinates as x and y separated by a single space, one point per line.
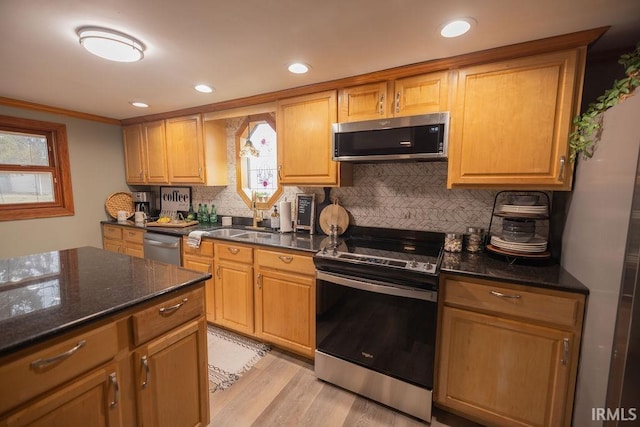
428 266
413 263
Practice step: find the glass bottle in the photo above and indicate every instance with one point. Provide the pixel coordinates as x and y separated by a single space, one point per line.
200 212
191 215
205 213
213 217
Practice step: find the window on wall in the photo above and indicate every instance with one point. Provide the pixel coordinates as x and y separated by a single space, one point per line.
35 179
257 173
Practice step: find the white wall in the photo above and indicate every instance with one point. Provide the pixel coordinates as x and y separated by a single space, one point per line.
594 242
97 170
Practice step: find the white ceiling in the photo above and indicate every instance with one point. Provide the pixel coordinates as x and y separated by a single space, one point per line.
242 47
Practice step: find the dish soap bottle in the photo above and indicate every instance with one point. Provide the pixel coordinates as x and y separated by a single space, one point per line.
275 219
213 217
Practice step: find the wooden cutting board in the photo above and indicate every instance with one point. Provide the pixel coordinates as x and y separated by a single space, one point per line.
334 214
169 224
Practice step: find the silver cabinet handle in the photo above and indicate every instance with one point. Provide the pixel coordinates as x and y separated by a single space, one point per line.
563 160
234 251
501 295
218 271
41 363
173 307
285 259
398 102
381 108
145 365
565 357
259 280
116 390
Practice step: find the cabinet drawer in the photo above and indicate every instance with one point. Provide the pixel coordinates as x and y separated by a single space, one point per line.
130 235
205 249
285 261
516 301
59 362
112 232
161 317
234 252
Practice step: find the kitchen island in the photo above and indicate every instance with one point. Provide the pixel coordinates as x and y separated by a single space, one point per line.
99 338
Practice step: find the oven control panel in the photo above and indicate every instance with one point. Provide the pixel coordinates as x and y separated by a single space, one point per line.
411 264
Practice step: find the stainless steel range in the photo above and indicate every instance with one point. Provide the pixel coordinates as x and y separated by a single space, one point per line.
377 293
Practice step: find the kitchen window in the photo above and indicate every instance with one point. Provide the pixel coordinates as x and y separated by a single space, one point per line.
35 178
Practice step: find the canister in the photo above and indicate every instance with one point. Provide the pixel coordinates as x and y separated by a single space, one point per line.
475 239
453 242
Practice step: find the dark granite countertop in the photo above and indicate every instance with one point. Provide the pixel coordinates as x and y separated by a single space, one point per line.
495 267
297 241
47 294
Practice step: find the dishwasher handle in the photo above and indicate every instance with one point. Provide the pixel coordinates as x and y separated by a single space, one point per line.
161 244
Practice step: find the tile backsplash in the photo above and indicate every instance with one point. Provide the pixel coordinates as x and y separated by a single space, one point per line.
391 195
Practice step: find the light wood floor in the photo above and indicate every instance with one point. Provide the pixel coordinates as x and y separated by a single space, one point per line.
282 390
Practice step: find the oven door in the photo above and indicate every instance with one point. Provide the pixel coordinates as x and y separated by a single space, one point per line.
383 327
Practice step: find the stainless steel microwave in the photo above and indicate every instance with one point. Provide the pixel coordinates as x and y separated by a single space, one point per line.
423 137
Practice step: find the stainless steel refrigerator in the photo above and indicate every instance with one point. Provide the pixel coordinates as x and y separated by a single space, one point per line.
600 247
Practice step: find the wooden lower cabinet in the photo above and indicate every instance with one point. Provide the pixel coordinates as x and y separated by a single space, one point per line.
201 259
92 400
124 240
171 378
101 380
500 367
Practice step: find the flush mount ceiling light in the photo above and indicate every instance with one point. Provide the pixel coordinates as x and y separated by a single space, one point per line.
203 88
298 68
139 104
457 28
110 44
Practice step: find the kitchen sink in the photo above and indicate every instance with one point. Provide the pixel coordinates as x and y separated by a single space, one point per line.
226 232
253 235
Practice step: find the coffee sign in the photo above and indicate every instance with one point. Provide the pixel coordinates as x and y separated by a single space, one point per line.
175 198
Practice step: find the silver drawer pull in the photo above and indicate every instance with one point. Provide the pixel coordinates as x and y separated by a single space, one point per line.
173 307
233 250
501 295
285 259
116 390
145 365
41 363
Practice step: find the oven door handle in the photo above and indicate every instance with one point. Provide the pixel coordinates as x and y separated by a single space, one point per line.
387 289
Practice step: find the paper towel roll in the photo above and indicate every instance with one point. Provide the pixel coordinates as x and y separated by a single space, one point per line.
285 217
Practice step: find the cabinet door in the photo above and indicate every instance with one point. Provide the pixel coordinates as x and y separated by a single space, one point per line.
204 264
426 93
134 159
234 296
364 102
172 379
92 400
285 310
502 371
156 152
185 150
304 139
512 121
112 245
134 249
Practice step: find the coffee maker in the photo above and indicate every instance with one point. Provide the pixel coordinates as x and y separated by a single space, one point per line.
143 202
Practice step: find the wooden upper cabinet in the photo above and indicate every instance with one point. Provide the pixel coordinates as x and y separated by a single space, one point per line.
363 102
185 149
145 154
156 152
134 158
303 126
408 96
511 121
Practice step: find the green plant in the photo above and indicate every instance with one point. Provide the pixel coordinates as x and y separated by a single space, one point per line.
582 139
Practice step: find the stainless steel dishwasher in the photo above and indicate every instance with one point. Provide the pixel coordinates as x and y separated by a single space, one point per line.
161 247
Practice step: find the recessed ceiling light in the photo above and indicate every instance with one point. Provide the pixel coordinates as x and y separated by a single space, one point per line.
110 44
456 28
139 104
203 88
298 68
